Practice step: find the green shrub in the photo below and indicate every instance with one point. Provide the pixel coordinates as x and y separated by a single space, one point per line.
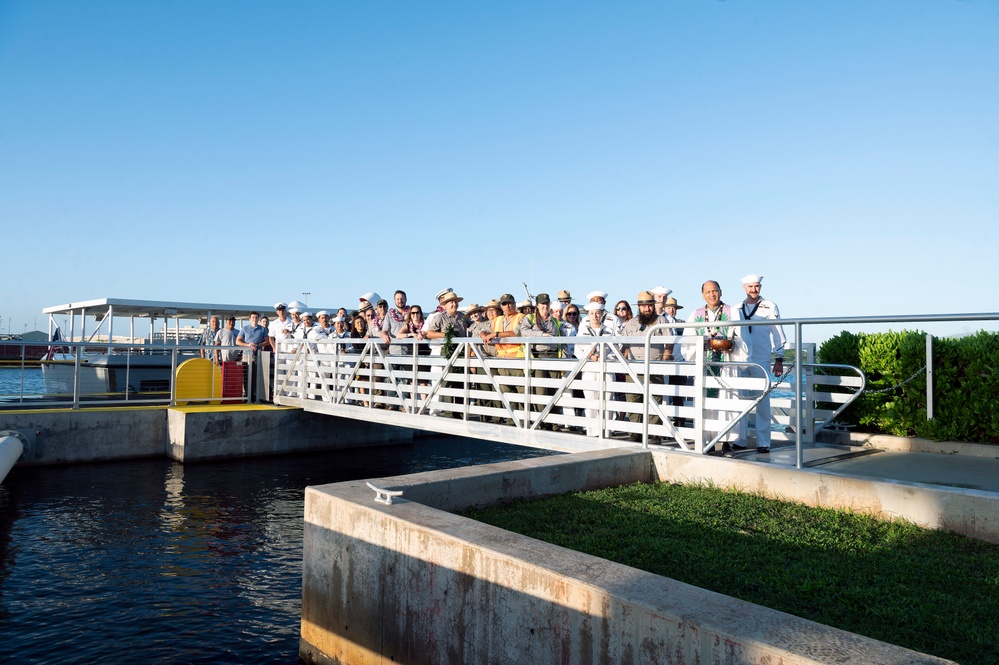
965 380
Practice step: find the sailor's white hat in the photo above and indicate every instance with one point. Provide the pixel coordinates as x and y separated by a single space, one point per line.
752 279
322 312
596 294
371 297
306 314
279 305
338 319
294 309
297 306
594 307
660 291
558 304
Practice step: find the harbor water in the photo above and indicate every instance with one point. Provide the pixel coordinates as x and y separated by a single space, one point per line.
152 561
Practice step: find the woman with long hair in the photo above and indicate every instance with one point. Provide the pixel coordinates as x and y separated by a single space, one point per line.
413 329
359 330
623 312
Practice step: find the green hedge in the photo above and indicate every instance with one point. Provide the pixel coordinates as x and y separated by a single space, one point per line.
965 379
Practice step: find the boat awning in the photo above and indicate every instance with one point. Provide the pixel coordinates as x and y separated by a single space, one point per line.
156 309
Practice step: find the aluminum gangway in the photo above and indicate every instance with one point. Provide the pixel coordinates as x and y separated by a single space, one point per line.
559 403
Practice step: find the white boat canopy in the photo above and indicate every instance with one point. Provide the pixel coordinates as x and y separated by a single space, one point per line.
156 309
107 309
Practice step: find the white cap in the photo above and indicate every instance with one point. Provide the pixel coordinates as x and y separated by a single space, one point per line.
594 307
557 305
752 279
294 309
660 291
279 305
322 312
298 307
596 294
443 292
306 314
339 319
371 297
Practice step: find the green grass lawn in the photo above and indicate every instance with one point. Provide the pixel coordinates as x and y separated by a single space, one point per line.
925 590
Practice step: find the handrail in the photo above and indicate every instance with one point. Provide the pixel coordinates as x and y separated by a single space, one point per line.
526 398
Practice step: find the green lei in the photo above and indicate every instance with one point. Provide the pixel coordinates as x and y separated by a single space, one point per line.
714 356
449 340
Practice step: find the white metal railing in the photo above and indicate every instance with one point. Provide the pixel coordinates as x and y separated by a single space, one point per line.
693 404
72 374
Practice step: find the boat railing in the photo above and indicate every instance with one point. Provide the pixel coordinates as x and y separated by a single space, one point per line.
69 374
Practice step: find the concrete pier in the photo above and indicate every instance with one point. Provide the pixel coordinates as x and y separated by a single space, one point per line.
412 582
188 433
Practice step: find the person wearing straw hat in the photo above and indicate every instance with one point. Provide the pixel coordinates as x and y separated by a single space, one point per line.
766 342
448 321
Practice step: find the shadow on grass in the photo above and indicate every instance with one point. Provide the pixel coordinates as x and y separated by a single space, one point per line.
925 590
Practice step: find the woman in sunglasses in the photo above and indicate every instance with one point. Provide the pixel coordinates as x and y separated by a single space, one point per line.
624 314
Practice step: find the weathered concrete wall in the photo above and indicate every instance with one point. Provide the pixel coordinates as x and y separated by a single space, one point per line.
410 583
90 435
199 433
973 513
188 434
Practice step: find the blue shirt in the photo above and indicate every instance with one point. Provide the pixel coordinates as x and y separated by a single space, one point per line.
253 334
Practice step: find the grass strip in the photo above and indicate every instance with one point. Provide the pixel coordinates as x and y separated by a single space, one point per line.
926 590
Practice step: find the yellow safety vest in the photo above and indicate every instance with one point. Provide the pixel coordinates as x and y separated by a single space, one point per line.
508 350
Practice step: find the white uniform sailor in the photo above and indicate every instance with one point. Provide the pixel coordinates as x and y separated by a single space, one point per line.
765 341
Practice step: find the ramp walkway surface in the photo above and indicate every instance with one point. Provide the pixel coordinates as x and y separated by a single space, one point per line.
946 470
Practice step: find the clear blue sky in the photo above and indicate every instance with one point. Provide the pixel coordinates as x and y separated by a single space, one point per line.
246 152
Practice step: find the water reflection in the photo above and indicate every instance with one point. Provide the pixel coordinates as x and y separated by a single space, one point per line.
155 561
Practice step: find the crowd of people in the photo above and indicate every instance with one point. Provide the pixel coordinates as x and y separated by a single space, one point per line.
533 317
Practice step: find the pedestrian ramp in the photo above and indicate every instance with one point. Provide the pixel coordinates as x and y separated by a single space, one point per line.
556 400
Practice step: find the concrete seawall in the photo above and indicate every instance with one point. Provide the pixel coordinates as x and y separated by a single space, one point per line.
410 582
188 434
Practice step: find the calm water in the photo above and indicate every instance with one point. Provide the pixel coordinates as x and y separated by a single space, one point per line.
11 382
157 562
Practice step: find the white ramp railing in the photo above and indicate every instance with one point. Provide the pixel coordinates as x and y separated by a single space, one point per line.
694 404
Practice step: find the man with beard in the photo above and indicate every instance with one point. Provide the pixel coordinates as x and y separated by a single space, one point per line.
636 327
713 315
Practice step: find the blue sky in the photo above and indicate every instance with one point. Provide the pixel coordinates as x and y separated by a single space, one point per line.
247 152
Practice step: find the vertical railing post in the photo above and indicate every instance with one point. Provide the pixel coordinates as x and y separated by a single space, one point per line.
173 377
798 368
929 376
699 395
76 376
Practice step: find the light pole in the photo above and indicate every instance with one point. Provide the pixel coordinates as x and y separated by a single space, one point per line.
306 294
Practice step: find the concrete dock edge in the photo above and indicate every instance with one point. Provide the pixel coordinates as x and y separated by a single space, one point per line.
410 582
